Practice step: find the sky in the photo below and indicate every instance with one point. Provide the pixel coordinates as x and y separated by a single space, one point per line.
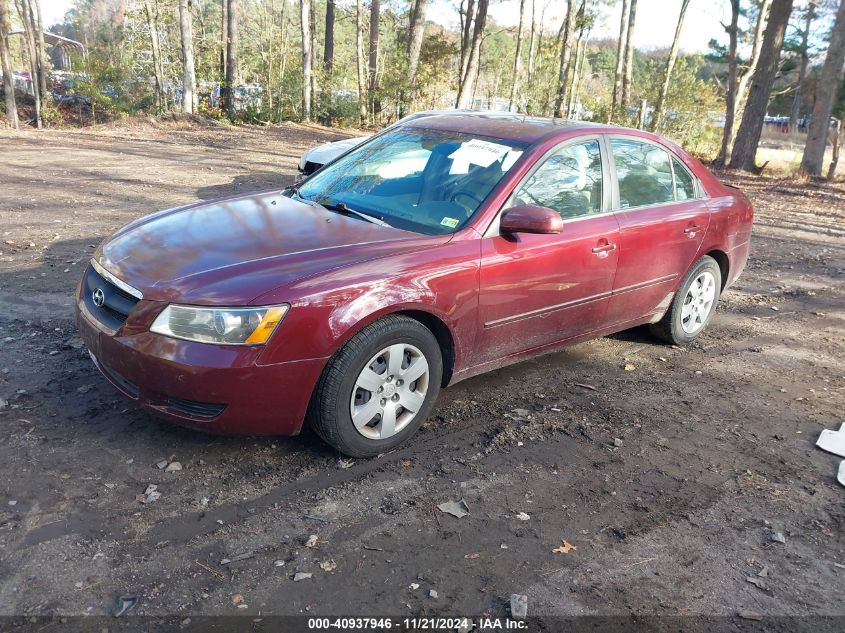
655 25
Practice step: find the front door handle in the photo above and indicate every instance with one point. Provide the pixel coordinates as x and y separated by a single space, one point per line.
603 250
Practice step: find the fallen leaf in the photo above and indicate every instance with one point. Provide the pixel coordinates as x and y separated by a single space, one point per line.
328 565
312 541
565 548
237 598
630 367
472 556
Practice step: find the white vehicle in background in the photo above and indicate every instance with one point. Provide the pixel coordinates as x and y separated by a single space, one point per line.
323 154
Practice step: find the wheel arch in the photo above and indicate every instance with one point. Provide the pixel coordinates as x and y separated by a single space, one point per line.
724 264
436 324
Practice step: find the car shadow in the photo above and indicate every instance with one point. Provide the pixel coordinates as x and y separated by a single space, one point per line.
247 183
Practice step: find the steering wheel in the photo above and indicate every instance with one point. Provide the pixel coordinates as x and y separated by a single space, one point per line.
468 194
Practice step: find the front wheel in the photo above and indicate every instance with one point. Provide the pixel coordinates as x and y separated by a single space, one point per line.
379 388
694 304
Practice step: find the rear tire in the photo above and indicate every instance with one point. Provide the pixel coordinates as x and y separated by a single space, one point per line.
379 388
693 305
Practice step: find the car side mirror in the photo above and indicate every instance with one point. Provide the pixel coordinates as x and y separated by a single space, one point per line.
531 218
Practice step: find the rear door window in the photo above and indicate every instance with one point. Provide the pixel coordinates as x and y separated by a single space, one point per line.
684 182
644 173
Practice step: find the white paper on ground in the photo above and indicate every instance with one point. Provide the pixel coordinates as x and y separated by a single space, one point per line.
841 477
833 441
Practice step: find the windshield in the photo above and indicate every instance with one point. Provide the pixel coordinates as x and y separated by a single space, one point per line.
427 181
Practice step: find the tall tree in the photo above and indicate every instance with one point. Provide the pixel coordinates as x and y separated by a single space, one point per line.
467 14
27 17
584 23
189 77
625 99
829 79
375 13
224 36
6 67
416 31
40 51
359 58
328 42
466 87
307 57
151 13
795 112
620 60
232 58
513 106
565 54
670 64
745 79
748 136
730 95
532 47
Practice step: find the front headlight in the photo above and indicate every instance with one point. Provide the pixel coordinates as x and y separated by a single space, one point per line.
225 326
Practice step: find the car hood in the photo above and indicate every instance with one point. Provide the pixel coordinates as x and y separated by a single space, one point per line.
322 154
231 251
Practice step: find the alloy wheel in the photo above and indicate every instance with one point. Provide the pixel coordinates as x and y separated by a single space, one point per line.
389 391
698 302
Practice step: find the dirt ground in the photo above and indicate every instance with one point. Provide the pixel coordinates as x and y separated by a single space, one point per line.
675 482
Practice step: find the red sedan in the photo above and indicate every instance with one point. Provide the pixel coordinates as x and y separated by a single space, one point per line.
437 250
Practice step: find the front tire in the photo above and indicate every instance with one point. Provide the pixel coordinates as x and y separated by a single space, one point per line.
379 388
693 305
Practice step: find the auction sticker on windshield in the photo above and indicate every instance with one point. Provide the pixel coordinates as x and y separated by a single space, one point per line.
478 152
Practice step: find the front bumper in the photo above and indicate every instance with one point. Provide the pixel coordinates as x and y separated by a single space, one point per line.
215 388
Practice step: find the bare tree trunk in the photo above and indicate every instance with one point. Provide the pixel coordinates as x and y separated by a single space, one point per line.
359 56
151 12
224 36
565 55
305 23
467 21
375 12
629 59
748 136
802 68
6 67
670 64
578 67
328 42
620 60
416 31
315 104
836 135
25 13
730 97
40 51
232 66
742 87
517 62
467 85
811 163
532 48
189 78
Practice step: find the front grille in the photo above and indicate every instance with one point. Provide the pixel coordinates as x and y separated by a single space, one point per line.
117 303
195 409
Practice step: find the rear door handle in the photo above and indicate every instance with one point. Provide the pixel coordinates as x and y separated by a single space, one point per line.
692 230
603 250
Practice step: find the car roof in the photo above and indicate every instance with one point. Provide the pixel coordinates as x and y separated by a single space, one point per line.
518 128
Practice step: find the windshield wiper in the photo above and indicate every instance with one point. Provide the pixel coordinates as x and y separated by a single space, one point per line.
341 207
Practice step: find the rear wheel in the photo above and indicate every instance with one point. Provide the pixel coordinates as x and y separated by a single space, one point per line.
379 388
693 305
